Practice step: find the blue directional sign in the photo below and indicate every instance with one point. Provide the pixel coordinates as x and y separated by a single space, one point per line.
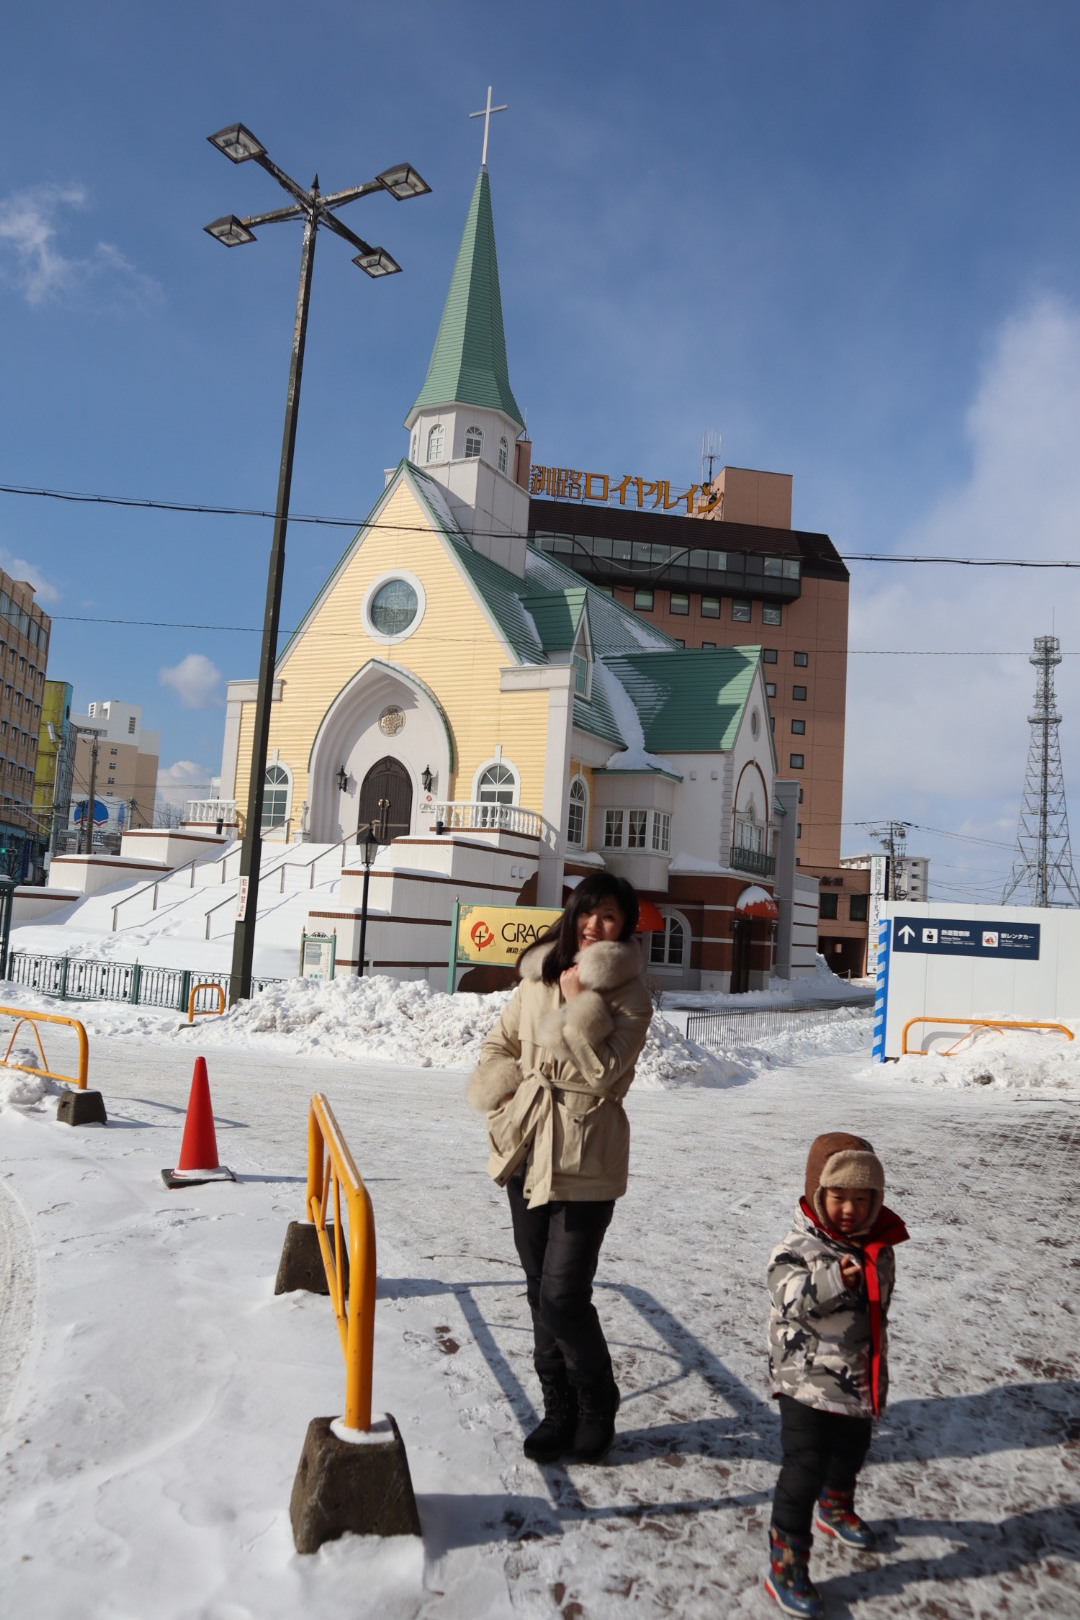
944 936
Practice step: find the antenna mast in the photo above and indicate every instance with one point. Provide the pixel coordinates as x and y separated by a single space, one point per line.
1043 865
710 453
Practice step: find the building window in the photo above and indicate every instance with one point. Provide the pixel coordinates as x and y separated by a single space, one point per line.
111 781
414 446
771 613
504 455
393 607
770 688
796 761
772 723
798 694
497 785
667 949
131 725
613 829
800 795
827 905
798 728
638 829
275 797
643 601
680 602
436 442
857 907
801 660
679 642
768 655
474 442
740 611
710 644
576 814
798 829
710 607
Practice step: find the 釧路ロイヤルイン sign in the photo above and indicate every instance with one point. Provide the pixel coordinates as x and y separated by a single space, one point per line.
944 936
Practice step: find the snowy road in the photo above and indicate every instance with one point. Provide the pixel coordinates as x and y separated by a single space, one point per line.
155 1423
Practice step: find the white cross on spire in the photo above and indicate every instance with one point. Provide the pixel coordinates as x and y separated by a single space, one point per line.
485 113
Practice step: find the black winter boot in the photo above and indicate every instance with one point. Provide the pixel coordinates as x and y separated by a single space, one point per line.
598 1402
551 1438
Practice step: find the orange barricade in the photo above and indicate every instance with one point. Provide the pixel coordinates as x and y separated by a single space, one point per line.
204 1012
349 1262
34 1019
974 1023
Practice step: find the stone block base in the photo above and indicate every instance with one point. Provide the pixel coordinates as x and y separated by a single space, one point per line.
364 1488
81 1108
301 1263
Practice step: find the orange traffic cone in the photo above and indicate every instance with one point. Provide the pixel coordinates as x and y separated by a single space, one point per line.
198 1150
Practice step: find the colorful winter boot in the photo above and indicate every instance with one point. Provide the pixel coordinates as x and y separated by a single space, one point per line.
836 1516
554 1433
788 1580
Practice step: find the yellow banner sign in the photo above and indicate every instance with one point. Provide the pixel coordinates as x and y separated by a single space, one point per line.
499 934
567 484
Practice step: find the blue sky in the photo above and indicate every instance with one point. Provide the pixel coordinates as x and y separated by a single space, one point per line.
842 233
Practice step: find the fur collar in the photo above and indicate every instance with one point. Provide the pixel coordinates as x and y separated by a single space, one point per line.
603 966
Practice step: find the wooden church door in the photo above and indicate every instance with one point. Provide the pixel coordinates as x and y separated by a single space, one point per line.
388 780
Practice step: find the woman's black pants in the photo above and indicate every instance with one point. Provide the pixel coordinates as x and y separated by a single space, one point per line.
819 1449
558 1245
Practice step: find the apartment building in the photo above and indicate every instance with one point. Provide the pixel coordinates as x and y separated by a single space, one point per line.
730 571
127 758
24 654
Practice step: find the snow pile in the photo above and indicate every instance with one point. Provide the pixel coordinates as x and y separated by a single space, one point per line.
378 1019
19 1089
1001 1060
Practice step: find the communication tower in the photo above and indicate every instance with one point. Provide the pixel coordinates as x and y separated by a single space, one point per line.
1042 867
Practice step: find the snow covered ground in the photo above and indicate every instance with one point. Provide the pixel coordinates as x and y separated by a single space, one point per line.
154 1393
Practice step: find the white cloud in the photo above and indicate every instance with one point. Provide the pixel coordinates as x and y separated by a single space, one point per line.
182 781
31 257
19 568
943 740
194 680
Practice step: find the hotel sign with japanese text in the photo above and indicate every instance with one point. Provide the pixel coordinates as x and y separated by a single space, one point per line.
655 495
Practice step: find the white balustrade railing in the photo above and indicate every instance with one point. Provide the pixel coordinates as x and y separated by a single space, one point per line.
212 810
474 816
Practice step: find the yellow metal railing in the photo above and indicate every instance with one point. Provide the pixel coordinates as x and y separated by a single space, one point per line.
34 1019
974 1023
333 1181
204 1012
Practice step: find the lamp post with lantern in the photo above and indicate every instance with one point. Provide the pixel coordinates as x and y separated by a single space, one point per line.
315 208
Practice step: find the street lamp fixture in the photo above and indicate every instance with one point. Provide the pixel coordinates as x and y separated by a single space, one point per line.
313 208
426 779
342 779
368 840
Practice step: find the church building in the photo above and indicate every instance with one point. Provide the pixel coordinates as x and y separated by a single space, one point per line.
505 725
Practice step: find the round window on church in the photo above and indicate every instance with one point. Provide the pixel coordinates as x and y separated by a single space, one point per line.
393 607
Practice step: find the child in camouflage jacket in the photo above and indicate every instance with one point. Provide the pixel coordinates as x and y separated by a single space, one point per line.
830 1282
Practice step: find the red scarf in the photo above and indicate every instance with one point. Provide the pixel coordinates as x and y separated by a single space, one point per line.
887 1231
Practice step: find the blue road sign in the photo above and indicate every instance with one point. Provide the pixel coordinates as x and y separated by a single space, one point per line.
944 936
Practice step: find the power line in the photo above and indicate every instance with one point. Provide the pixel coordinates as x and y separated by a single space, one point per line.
202 509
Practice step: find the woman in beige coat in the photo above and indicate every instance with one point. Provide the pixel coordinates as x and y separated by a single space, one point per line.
551 1078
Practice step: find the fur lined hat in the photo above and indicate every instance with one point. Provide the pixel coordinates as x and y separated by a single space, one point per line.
838 1159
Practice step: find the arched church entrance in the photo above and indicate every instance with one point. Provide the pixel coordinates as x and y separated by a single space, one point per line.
386 797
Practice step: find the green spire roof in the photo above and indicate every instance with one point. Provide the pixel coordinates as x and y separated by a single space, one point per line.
468 362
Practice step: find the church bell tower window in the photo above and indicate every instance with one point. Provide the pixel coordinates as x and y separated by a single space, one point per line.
474 442
436 441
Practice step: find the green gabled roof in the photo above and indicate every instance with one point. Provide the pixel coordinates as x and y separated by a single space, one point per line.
468 363
690 701
613 628
557 616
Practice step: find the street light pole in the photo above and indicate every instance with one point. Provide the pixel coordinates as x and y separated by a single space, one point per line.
239 145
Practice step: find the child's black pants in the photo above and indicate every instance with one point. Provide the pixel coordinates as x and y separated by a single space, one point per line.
819 1449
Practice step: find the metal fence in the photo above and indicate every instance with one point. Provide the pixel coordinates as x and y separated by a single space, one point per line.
80 978
738 1027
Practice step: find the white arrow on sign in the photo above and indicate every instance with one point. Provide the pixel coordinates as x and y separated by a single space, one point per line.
906 932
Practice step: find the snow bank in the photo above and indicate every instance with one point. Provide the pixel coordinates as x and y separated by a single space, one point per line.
1014 1060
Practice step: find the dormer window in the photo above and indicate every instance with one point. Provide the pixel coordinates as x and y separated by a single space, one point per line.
581 658
474 442
504 455
436 441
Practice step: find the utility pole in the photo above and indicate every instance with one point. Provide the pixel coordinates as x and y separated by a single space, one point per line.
1042 864
893 839
91 798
